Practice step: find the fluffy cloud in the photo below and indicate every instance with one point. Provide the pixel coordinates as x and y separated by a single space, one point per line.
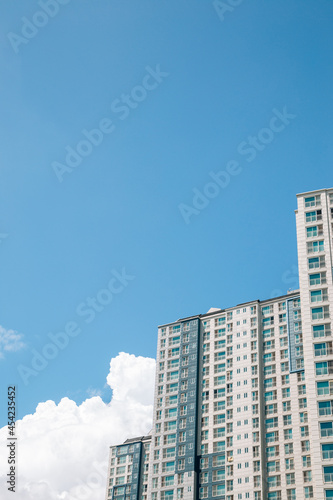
63 449
10 341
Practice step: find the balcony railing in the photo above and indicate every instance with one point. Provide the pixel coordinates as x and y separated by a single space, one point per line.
326 433
324 352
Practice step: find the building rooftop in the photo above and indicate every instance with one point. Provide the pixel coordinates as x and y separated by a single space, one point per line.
137 439
214 310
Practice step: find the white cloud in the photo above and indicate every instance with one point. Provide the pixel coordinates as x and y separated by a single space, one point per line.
63 449
91 391
10 340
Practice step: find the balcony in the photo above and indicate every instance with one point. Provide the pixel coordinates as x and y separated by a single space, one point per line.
324 433
324 352
325 412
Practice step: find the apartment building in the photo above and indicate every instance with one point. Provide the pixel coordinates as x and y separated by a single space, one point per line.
243 404
128 469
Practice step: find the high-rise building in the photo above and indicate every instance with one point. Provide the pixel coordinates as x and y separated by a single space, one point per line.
243 404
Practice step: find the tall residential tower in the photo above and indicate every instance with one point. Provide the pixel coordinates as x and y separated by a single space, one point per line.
243 404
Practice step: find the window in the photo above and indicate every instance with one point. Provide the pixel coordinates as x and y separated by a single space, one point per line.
271 408
289 463
203 492
273 466
218 475
303 416
290 478
286 392
218 461
270 422
218 446
316 262
328 474
324 388
219 368
284 366
307 475
291 494
313 216
305 446
167 495
325 408
286 406
289 448
308 491
268 321
301 389
267 310
315 246
321 330
218 489
299 364
302 403
230 485
269 370
287 420
311 231
326 429
318 295
270 436
284 354
317 279
271 451
256 481
204 435
288 434
204 477
220 321
219 432
269 344
312 201
283 341
327 451
320 349
168 453
268 333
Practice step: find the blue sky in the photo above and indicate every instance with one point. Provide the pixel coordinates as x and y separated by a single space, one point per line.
222 83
